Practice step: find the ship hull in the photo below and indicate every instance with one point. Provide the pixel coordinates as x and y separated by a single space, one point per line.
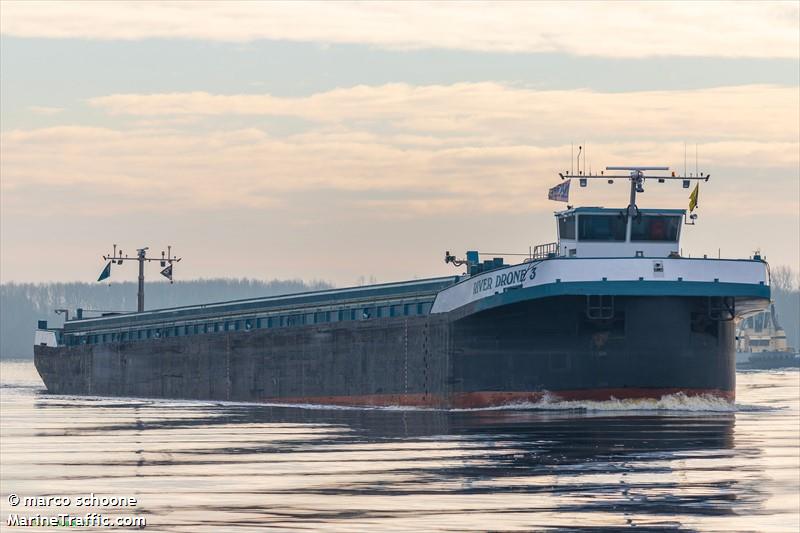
768 360
554 347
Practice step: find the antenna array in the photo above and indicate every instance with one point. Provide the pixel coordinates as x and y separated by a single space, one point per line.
166 260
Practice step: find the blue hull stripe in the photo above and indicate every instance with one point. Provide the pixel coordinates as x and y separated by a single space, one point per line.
624 288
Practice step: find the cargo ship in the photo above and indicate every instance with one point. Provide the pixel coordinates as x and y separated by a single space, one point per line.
761 343
611 309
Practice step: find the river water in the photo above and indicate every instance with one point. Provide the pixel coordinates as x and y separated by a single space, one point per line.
679 464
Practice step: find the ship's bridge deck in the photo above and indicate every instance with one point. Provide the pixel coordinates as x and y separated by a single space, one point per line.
355 303
610 232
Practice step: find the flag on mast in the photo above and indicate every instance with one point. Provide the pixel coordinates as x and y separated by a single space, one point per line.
693 198
106 273
559 193
167 272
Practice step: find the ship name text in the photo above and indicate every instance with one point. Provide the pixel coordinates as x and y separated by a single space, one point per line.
502 280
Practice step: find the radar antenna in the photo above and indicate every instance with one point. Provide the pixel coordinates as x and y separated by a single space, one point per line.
166 260
637 176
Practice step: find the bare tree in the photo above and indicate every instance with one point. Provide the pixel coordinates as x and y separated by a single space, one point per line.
785 283
782 278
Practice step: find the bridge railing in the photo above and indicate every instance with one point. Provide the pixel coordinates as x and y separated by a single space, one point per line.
544 251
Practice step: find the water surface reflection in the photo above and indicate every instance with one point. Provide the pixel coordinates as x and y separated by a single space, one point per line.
198 466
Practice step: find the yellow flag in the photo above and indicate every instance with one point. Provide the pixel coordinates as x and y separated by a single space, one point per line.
693 198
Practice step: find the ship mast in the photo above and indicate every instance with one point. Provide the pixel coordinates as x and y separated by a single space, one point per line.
166 260
637 178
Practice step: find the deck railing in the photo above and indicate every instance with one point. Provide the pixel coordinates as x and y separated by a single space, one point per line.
543 251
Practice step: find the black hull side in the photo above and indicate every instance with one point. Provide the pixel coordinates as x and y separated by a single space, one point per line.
650 347
374 361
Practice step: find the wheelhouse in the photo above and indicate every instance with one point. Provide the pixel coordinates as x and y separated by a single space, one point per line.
606 232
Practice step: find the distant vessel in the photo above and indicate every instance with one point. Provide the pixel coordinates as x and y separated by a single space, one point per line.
609 310
761 343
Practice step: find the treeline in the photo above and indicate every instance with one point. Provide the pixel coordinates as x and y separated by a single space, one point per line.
787 306
785 285
22 304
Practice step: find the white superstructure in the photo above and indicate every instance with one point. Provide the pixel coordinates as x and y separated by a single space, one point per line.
612 251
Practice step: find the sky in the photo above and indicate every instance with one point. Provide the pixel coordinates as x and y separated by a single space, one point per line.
335 141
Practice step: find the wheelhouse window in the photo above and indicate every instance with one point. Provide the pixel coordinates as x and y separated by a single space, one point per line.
655 228
601 228
566 227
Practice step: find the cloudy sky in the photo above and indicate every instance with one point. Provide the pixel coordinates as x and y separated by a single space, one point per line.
337 140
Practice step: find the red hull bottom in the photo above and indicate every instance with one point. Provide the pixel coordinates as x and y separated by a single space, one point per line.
471 400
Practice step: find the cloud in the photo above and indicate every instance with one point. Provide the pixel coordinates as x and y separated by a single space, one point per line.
492 147
45 110
245 169
613 29
496 112
462 165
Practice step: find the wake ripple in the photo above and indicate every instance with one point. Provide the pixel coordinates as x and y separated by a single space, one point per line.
678 402
673 403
